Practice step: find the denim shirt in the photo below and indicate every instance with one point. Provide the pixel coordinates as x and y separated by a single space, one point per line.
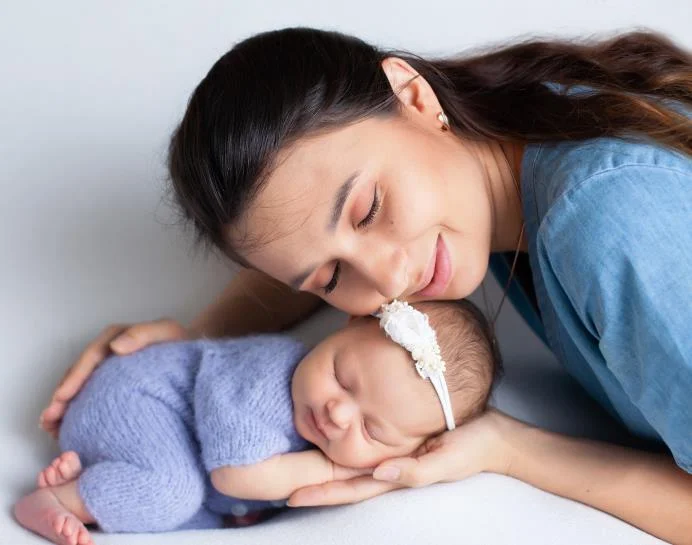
609 227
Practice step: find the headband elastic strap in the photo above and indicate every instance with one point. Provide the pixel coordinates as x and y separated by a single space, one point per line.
410 328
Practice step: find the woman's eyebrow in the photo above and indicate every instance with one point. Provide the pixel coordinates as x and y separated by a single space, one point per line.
340 200
337 209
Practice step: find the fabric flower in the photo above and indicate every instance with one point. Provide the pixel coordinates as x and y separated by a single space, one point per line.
411 329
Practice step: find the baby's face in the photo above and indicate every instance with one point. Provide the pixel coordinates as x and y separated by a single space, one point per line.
358 397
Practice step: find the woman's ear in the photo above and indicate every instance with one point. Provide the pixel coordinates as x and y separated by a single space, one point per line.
412 90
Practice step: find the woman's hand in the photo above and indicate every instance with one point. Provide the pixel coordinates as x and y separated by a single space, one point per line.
118 339
479 445
641 488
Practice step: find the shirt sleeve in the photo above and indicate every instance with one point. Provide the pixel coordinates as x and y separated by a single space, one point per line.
621 247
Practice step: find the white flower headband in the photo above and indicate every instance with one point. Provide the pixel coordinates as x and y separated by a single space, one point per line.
410 328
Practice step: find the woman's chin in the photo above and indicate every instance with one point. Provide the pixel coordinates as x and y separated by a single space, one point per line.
464 283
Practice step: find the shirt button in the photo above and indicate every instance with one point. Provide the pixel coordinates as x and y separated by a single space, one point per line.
239 509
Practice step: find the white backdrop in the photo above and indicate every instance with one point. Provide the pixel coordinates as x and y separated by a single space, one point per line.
89 93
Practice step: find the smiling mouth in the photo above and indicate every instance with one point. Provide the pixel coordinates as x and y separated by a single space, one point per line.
429 272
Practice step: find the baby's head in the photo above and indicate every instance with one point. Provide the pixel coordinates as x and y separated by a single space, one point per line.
358 397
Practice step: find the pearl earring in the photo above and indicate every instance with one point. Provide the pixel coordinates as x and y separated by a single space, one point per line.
442 118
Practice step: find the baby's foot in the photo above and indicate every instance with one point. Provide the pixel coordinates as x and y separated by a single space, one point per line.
64 468
42 513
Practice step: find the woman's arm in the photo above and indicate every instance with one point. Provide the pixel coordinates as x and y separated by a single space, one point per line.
617 256
646 490
253 302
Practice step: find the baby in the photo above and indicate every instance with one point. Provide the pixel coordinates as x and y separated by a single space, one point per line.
180 434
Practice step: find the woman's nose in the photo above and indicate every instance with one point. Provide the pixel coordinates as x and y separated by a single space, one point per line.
385 269
341 412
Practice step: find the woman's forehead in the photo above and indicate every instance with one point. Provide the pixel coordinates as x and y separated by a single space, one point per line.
286 225
309 172
304 178
285 206
293 207
315 169
323 159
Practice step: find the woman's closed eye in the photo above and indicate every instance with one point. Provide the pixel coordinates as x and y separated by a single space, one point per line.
335 278
374 209
365 222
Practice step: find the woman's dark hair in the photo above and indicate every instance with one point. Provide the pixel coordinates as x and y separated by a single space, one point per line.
276 87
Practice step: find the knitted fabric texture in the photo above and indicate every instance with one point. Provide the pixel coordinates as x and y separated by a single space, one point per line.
150 426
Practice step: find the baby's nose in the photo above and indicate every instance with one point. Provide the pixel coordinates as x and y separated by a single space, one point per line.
341 412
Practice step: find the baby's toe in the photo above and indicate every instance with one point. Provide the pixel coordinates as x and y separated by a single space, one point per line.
51 476
84 538
59 524
69 466
70 527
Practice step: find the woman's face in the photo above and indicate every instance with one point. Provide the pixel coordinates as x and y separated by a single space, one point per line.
385 208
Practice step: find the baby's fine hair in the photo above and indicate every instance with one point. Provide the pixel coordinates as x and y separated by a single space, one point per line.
469 349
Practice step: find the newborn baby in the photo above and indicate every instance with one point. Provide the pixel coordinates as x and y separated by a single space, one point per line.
180 434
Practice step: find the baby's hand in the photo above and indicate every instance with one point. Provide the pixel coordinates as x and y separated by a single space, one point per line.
343 473
477 446
281 475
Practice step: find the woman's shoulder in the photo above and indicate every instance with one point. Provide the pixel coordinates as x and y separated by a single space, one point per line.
553 171
604 207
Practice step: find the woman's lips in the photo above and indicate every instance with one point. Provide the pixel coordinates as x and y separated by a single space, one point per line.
438 273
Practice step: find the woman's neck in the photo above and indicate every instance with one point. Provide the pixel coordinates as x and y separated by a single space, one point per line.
503 169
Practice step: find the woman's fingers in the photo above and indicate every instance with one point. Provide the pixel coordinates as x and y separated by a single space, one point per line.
138 336
340 492
75 376
121 339
471 448
94 354
416 472
429 465
52 416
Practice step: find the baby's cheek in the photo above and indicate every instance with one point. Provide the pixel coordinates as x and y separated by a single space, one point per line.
354 455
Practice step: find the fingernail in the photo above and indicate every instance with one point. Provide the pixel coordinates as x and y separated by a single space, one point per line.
122 343
387 473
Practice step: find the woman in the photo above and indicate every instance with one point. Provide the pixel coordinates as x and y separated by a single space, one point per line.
335 171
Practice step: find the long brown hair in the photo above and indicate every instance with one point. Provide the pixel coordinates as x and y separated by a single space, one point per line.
277 87
630 79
